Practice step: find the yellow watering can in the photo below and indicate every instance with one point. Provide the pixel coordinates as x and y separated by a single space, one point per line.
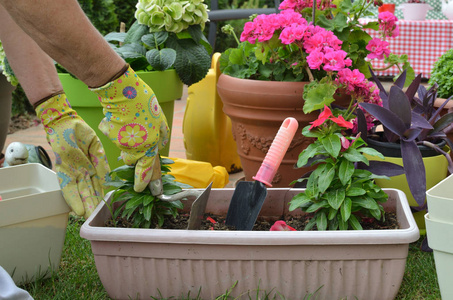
207 130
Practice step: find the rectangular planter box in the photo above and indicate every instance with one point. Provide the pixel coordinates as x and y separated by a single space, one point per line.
139 263
33 220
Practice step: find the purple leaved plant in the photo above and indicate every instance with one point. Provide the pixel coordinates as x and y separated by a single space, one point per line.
410 119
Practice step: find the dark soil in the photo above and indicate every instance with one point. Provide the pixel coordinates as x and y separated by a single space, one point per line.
212 222
22 121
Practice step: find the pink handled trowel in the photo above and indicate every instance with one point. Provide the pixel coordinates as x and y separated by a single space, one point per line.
248 197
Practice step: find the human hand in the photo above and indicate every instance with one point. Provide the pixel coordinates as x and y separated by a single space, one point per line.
81 163
134 122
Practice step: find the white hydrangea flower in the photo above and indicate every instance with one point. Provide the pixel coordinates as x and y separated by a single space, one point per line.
9 76
171 15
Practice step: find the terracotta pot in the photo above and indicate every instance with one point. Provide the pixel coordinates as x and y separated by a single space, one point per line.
257 110
353 264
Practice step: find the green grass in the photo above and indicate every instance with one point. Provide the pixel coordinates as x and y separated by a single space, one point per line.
77 277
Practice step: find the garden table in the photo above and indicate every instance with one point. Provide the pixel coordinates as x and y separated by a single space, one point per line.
423 42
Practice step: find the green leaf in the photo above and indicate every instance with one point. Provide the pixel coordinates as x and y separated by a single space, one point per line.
321 221
310 224
332 144
171 189
345 209
315 206
192 60
135 50
355 191
371 152
335 198
299 201
355 223
366 202
308 153
134 202
161 60
147 212
376 213
153 40
317 95
135 33
332 214
125 172
115 36
333 224
148 199
343 225
345 171
355 156
326 178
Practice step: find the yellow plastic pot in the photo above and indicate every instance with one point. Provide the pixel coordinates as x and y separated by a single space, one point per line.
207 130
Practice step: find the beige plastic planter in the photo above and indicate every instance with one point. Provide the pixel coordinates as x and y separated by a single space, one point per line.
33 219
138 263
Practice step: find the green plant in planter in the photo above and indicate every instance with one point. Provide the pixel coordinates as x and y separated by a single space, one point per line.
442 73
143 210
409 118
167 34
339 192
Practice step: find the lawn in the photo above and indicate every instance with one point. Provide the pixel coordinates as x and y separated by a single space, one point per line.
77 277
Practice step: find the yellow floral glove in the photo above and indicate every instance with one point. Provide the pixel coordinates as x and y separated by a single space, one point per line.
81 163
134 122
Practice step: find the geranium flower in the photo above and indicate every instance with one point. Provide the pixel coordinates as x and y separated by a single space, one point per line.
378 49
323 116
281 226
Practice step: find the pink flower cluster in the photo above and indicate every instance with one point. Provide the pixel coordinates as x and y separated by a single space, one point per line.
263 26
322 46
387 24
299 5
355 84
388 28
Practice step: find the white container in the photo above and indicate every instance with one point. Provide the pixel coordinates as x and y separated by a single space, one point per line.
440 200
33 220
139 263
414 11
440 239
439 229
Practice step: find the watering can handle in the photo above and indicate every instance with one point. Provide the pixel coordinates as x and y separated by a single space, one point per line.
276 152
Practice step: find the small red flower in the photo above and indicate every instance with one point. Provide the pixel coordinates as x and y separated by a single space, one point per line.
323 116
342 122
281 226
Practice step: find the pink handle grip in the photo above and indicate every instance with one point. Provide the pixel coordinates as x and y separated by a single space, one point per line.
276 152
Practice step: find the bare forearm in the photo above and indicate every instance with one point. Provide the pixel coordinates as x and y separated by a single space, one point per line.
63 31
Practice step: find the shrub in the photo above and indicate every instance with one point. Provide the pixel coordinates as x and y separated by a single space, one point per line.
442 74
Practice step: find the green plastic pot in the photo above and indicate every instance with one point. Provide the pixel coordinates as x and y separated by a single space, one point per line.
436 167
166 85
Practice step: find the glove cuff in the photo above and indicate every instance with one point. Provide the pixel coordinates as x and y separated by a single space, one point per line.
54 108
39 102
114 77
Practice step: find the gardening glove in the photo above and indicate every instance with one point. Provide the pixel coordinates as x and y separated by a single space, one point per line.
81 163
134 122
